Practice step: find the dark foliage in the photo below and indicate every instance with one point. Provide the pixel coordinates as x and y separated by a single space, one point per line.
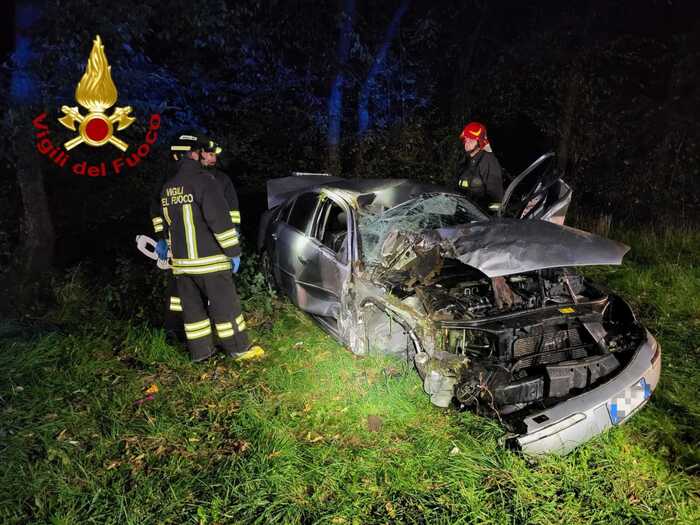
611 86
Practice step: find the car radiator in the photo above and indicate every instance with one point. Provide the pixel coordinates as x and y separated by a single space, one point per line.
548 348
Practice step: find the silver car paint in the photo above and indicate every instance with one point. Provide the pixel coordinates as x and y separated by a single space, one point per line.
345 290
576 420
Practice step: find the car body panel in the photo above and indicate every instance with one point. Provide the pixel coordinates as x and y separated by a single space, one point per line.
306 270
576 420
355 302
537 193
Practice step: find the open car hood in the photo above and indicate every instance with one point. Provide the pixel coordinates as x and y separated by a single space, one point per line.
509 246
500 247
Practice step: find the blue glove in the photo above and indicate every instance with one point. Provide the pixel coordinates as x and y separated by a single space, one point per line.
235 263
162 249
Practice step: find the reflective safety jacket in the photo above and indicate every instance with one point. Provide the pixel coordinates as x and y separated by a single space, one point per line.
197 220
229 194
157 212
481 178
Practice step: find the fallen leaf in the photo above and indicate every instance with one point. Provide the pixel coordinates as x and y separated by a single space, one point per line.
153 389
374 423
390 509
455 451
113 464
392 371
149 397
313 439
241 446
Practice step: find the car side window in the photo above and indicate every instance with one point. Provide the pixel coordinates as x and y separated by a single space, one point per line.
332 229
303 211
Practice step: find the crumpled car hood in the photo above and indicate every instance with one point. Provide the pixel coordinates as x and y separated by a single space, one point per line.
502 247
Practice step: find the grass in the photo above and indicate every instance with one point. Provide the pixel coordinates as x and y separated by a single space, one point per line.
287 439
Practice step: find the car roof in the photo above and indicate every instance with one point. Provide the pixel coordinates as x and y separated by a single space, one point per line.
381 193
373 195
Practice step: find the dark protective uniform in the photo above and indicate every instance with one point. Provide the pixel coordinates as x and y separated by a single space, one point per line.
230 195
172 321
481 178
173 307
203 241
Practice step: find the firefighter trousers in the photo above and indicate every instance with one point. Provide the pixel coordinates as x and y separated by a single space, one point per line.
172 321
224 316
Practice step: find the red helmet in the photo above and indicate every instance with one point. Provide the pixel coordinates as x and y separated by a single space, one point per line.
475 131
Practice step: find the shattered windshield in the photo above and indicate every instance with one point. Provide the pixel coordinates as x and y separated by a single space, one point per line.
429 211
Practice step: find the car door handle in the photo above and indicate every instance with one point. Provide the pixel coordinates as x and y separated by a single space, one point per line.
302 260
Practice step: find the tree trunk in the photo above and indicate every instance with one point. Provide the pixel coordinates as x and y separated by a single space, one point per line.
335 99
377 65
34 256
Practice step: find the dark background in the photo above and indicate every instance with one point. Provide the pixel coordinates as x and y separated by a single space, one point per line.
611 86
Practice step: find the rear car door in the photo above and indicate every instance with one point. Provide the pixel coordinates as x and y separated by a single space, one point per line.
291 244
327 265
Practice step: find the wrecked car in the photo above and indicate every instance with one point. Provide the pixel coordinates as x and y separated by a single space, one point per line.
491 310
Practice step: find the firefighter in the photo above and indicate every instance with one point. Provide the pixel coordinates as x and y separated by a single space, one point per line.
208 160
205 252
481 177
207 157
172 321
480 174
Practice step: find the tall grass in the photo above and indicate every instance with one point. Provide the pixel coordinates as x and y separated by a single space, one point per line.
288 439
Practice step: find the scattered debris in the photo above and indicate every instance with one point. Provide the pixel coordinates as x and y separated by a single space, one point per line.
455 451
153 389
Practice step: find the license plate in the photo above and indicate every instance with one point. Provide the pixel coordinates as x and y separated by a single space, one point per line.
628 401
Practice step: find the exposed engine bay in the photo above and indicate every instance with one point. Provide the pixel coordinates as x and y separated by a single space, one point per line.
558 335
459 293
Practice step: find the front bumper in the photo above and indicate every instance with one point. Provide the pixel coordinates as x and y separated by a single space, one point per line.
563 427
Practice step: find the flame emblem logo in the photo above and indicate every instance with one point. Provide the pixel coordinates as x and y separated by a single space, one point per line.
96 93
